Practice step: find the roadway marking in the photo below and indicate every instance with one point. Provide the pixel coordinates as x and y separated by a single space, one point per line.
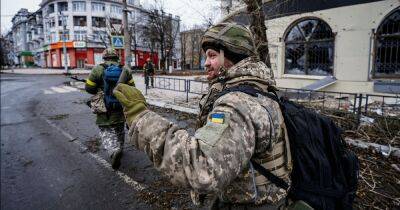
48 92
128 180
59 90
63 89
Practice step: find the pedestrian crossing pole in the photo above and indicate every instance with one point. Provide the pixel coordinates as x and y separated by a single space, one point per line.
64 37
127 40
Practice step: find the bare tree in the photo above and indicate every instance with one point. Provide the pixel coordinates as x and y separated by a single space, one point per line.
162 29
258 28
6 50
184 39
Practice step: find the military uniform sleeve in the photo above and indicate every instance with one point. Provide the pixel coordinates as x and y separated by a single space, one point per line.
130 80
92 82
217 153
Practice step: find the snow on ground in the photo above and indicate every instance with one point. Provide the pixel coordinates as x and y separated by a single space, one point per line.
171 96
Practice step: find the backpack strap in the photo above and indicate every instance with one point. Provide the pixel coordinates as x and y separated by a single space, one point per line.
250 90
270 176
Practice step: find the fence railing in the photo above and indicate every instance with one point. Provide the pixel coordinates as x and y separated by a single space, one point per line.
358 104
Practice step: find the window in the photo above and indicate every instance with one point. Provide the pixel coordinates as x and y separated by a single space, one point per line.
98 22
47 38
132 2
98 7
115 21
100 36
61 19
64 36
53 37
50 9
51 23
309 48
116 9
79 20
62 6
79 35
387 47
78 6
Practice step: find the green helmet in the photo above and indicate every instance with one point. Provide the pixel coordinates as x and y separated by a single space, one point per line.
110 54
231 37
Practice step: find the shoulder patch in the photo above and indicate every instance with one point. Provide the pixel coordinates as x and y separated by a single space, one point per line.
213 130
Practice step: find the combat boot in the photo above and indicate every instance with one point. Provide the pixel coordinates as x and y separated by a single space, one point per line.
116 159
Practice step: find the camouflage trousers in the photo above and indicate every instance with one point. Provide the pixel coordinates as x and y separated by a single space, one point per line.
112 138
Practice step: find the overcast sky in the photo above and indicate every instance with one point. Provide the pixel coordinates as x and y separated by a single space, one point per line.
191 11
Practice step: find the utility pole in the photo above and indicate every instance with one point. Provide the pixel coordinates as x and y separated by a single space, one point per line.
127 38
64 37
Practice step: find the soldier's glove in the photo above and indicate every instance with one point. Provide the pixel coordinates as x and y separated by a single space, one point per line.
132 101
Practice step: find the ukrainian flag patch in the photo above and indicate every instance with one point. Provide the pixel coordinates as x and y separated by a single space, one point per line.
218 118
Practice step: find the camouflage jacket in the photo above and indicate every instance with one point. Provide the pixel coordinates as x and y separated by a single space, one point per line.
94 85
216 159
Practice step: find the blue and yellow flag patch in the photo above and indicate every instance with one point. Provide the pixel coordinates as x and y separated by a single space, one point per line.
217 118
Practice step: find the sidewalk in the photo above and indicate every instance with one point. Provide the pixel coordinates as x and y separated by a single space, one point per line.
43 71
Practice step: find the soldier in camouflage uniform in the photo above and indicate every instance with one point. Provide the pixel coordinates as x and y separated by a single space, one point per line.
233 129
110 122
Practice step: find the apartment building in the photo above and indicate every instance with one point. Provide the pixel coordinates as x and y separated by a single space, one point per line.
84 27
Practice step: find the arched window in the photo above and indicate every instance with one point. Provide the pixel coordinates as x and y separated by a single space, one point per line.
387 47
309 48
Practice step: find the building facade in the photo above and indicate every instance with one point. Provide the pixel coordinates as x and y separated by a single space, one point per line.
83 27
192 55
357 43
18 38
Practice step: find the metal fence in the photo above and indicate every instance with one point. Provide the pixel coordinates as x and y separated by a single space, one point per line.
357 104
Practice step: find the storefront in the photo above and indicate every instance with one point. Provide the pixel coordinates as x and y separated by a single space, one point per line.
142 56
81 55
77 55
26 58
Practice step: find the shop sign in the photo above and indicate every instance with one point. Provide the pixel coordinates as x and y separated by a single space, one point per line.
59 45
79 44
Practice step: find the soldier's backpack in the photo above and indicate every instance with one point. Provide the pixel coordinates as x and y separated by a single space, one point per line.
325 172
110 78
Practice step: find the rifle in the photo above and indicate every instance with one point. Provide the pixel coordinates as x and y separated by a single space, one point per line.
77 79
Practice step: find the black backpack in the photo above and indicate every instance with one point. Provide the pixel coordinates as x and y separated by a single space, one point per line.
325 172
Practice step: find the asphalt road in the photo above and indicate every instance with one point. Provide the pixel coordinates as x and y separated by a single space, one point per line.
50 156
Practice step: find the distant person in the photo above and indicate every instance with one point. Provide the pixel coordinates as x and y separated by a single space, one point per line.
110 118
148 72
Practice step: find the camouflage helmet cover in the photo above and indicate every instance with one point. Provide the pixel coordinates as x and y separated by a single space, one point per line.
230 36
110 54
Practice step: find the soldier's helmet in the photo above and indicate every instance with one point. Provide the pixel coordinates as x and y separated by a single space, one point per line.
110 54
231 37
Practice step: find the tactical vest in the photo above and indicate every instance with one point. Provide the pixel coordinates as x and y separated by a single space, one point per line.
277 160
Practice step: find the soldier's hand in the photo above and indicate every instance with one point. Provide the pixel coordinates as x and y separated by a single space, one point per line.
132 101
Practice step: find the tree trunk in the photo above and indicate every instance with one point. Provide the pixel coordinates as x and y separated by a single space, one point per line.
259 30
